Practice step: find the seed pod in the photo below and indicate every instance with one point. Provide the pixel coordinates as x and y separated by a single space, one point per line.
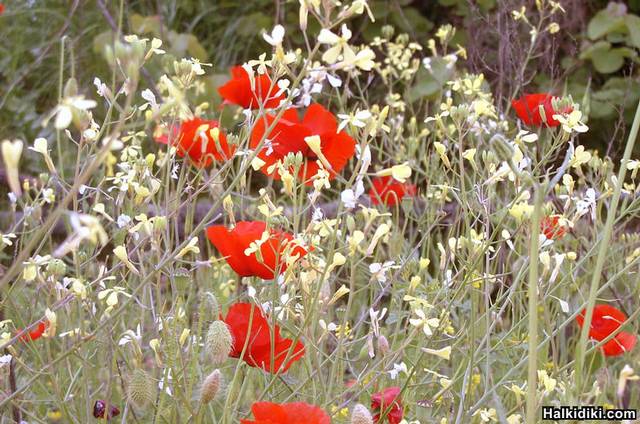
210 387
141 389
361 415
219 342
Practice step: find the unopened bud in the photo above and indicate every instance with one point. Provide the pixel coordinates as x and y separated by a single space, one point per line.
56 268
11 153
387 31
361 415
383 345
219 341
210 387
303 15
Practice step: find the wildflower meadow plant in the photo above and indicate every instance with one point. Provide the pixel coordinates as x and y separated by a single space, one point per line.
315 238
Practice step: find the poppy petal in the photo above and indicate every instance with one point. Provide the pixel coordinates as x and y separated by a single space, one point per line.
253 335
622 342
287 413
319 120
527 108
388 401
389 191
258 337
238 90
227 244
605 320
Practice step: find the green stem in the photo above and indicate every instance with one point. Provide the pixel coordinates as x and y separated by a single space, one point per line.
532 293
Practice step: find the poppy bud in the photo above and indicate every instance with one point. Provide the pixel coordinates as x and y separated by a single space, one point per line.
219 341
383 345
361 415
141 388
210 387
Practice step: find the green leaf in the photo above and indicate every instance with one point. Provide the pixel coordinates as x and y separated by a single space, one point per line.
145 24
428 83
601 110
633 26
195 49
185 45
412 21
605 59
102 40
603 23
594 48
251 25
616 93
607 62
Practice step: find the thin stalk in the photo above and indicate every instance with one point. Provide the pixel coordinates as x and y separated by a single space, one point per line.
60 90
532 292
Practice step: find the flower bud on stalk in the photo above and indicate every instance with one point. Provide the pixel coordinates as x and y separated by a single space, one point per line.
219 341
210 387
361 415
141 389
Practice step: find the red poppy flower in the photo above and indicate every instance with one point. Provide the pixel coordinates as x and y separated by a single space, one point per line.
266 348
387 401
1 8
605 320
288 136
551 228
527 108
390 191
232 244
287 413
195 139
238 90
36 333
